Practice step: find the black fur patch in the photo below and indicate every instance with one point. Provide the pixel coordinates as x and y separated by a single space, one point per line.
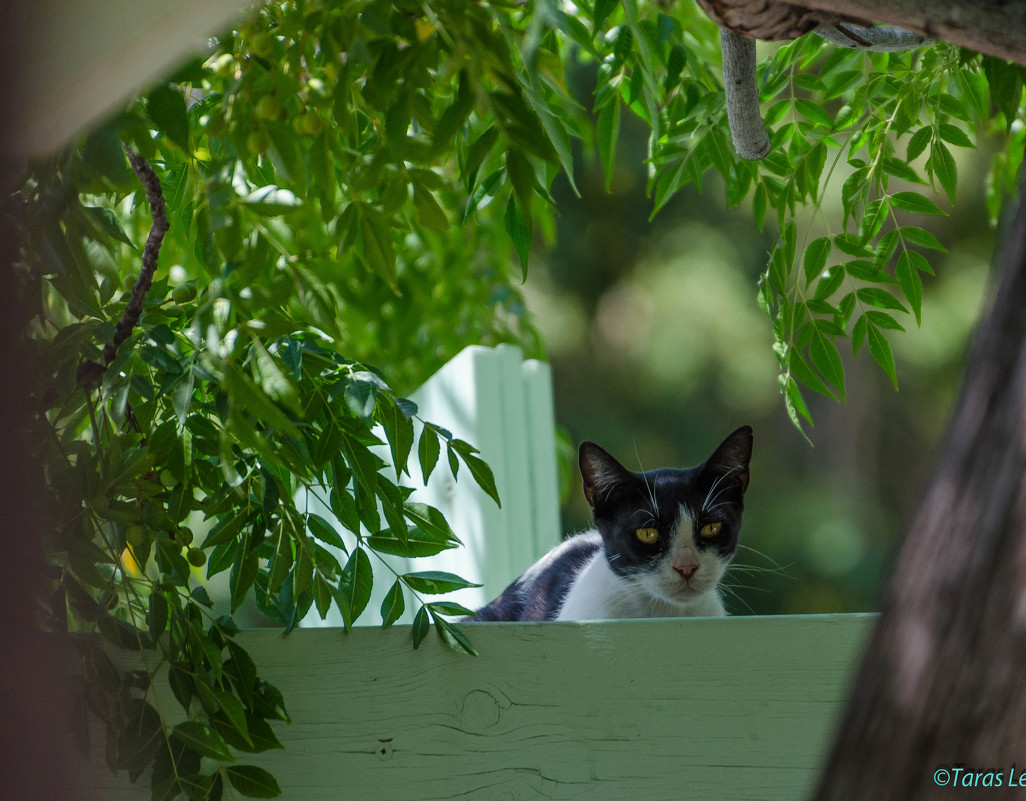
541 597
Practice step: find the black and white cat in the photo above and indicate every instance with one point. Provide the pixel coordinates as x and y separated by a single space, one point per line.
661 543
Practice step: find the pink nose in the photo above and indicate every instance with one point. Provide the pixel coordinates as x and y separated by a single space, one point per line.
686 571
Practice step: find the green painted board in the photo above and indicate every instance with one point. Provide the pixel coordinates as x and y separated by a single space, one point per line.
723 708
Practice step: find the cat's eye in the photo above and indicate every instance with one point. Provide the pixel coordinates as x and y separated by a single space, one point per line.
710 530
647 535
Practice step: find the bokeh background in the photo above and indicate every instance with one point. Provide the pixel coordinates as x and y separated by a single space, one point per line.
659 349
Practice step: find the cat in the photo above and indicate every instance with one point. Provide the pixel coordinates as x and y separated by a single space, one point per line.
661 543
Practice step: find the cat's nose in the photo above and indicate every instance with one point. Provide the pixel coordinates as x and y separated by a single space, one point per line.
686 571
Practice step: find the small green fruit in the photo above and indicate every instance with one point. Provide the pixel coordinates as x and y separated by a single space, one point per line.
183 293
269 107
216 124
196 557
100 502
262 44
167 478
184 536
129 281
257 143
135 535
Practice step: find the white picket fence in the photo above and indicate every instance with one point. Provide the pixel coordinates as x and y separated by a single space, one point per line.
501 404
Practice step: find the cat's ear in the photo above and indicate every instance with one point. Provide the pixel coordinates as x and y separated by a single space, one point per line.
730 459
602 474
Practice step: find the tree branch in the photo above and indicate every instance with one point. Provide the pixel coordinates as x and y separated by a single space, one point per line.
746 129
994 27
155 197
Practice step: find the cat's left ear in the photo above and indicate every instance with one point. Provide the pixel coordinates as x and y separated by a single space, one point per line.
731 458
602 474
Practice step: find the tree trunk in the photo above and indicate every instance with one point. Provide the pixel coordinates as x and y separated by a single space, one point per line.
994 27
943 683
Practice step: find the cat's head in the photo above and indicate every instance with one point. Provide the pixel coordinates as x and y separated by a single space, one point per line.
671 531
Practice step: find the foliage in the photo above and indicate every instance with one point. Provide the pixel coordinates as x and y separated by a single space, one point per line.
828 110
343 182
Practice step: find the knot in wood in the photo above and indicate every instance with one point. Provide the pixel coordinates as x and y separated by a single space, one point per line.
764 19
479 711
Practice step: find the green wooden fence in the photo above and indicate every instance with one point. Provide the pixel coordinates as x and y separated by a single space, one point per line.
723 709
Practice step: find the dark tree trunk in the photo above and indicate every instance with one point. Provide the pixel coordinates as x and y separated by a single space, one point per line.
943 683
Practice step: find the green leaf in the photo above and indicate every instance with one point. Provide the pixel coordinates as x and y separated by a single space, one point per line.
324 531
800 369
378 252
421 626
607 132
107 222
794 402
917 144
417 543
361 397
880 298
453 637
430 520
910 282
603 8
202 739
812 111
354 586
815 258
880 349
399 433
955 136
450 608
252 782
244 571
157 615
519 227
246 396
363 463
481 472
918 236
277 382
393 605
428 450
944 168
435 582
827 360
429 213
166 107
234 712
281 562
901 169
915 203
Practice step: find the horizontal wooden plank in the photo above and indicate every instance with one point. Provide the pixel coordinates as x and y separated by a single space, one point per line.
725 709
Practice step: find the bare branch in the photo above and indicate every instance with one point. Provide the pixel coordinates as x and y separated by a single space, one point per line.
883 40
155 197
746 129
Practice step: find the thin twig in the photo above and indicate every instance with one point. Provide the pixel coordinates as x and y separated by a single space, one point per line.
155 196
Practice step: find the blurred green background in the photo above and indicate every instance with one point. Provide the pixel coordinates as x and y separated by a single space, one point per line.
659 349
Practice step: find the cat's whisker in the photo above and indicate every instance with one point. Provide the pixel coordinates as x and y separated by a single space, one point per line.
715 484
738 598
759 553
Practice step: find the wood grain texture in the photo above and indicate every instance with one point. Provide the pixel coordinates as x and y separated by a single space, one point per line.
725 709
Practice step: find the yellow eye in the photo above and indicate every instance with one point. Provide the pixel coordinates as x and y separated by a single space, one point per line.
711 530
647 535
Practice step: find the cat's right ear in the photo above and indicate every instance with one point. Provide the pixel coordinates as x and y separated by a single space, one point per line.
602 474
